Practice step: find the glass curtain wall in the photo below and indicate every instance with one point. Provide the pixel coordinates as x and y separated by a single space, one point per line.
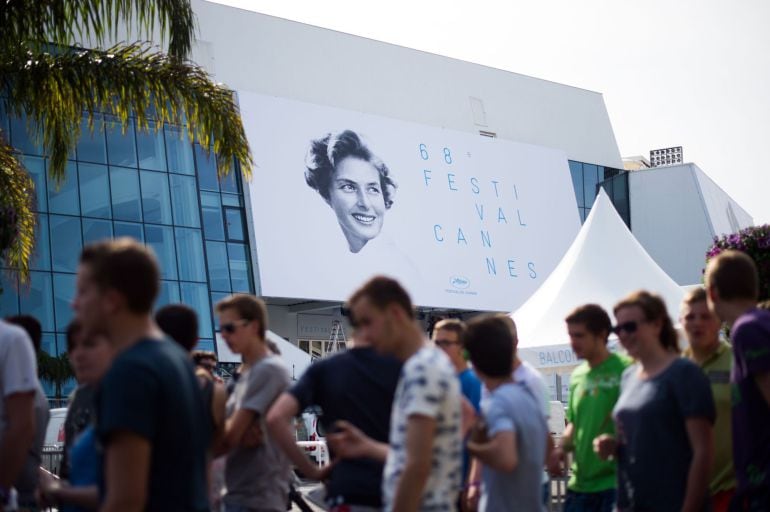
159 188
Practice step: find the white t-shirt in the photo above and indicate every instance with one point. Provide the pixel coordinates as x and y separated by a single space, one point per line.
18 367
429 387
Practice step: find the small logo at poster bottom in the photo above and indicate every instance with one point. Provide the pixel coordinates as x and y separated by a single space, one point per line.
459 282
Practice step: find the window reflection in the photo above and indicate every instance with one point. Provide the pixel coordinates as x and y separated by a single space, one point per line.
63 196
184 201
121 144
161 239
66 243
94 190
156 204
179 150
124 186
190 262
151 148
64 292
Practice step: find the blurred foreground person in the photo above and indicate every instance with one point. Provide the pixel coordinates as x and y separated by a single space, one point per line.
18 389
148 406
90 356
732 285
715 357
511 444
423 459
663 418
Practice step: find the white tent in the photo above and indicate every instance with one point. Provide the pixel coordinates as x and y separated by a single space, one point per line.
603 264
296 359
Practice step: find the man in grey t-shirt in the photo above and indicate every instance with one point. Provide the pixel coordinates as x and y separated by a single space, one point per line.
256 472
513 444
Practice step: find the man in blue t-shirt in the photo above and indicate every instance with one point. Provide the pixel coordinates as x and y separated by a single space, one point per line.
357 386
732 286
150 417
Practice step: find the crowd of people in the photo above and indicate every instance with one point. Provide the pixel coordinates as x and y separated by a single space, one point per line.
454 422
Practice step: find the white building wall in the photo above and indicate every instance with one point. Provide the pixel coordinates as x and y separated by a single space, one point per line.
675 213
255 52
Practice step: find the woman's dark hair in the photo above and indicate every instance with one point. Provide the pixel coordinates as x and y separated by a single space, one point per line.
654 309
327 152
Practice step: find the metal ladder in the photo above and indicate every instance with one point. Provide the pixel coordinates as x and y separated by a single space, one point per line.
337 341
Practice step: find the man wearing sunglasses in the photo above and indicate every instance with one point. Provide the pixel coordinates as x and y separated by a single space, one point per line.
256 472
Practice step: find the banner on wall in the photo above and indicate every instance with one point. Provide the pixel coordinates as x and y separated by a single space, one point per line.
463 221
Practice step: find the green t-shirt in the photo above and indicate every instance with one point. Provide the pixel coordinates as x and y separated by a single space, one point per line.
592 395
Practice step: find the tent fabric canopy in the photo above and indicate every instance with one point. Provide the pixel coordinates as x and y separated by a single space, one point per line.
604 264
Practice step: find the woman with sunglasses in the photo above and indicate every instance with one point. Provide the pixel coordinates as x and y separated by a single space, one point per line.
663 418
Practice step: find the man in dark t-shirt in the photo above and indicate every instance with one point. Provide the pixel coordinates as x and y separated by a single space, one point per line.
357 386
150 417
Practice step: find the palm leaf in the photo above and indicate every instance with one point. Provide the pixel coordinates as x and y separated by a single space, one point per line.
54 90
64 22
16 205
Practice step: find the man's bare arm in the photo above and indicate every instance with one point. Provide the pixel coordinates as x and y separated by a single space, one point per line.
420 432
127 472
499 453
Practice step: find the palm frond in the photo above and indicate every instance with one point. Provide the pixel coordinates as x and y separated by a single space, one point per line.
65 22
55 89
16 205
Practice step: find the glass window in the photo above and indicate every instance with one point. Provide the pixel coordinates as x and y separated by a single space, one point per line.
184 201
207 169
205 344
179 150
63 196
590 179
9 298
23 136
213 227
48 343
168 294
63 293
41 257
37 299
36 168
124 185
95 230
156 203
189 249
161 239
66 243
121 146
92 146
219 274
197 297
216 297
229 183
234 220
576 170
231 200
151 148
129 229
239 268
94 190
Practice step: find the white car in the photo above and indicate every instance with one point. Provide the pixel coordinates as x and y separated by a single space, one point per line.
54 434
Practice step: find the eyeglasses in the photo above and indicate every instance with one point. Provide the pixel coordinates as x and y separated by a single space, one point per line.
445 343
629 327
231 327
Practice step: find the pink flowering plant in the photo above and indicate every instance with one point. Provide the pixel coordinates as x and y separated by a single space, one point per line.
754 241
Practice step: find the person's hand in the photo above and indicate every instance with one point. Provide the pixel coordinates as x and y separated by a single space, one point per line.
322 474
347 441
253 436
478 432
471 495
605 446
557 462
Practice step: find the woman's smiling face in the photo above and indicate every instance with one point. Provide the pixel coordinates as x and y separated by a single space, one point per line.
356 196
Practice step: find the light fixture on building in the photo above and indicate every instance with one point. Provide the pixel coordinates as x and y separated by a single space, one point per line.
666 156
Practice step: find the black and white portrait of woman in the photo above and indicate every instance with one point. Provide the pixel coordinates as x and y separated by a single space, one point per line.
354 182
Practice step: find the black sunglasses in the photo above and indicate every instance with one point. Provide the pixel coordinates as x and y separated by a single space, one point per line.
629 327
231 327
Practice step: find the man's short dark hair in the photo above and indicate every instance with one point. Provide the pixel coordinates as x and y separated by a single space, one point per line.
489 342
248 307
593 317
127 266
733 274
382 292
180 322
30 324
